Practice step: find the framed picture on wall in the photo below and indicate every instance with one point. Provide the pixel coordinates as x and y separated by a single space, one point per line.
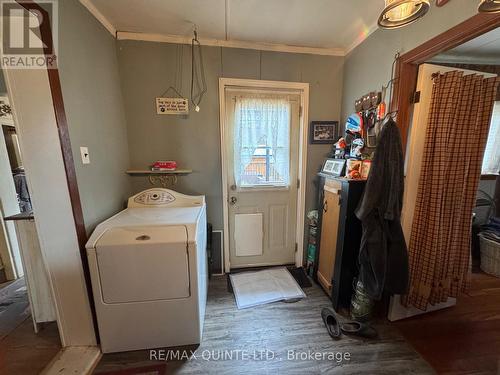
324 132
333 167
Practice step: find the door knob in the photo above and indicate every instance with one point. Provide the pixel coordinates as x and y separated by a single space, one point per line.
233 200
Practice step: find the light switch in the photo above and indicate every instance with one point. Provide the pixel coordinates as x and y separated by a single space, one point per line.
84 151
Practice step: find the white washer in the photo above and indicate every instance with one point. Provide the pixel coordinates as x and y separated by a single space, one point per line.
148 266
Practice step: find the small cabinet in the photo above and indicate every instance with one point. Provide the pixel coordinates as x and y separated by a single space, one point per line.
329 234
35 272
339 237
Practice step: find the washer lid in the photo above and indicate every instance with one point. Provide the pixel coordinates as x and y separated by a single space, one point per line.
149 217
139 264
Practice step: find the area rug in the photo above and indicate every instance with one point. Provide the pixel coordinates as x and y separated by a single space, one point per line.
266 286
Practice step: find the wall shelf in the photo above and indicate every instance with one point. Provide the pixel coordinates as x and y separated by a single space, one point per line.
146 172
164 178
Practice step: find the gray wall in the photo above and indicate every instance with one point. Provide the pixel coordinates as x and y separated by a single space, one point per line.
88 69
368 66
147 69
3 88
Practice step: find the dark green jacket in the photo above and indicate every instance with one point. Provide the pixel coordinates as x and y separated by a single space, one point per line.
383 256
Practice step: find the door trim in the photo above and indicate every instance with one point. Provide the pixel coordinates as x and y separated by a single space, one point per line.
408 63
299 88
74 310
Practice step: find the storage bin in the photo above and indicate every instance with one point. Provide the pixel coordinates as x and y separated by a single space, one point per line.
490 256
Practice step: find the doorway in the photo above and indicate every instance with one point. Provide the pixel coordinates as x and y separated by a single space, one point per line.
463 336
27 308
414 159
263 146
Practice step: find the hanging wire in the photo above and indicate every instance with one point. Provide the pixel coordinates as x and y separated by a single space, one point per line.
171 88
197 73
177 86
390 85
179 67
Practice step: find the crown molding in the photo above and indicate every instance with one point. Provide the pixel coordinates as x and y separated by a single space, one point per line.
179 39
99 16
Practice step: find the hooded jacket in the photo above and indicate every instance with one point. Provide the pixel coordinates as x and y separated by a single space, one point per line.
383 256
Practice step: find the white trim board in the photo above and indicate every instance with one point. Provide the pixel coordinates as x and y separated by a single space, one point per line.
74 360
99 16
303 90
179 39
33 111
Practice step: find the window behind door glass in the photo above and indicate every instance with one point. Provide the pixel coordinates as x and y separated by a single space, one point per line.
262 142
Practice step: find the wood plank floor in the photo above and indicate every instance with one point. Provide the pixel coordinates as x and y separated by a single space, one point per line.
14 306
280 328
464 339
22 351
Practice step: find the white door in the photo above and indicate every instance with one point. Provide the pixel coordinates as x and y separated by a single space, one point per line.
413 163
262 168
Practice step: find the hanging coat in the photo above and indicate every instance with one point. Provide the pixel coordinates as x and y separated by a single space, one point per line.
383 256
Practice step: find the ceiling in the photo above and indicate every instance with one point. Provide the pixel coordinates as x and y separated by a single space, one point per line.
484 49
326 24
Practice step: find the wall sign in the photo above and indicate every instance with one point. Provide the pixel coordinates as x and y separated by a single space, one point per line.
172 106
440 3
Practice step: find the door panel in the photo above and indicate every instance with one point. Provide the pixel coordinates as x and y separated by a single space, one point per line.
266 189
248 234
329 230
278 228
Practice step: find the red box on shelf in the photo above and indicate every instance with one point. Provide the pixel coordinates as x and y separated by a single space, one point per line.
164 165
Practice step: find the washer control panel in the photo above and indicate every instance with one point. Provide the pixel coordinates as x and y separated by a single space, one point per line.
154 197
160 197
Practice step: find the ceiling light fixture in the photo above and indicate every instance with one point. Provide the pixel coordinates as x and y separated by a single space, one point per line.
399 13
489 6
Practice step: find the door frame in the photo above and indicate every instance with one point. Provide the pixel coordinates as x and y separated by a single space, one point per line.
75 316
408 63
407 67
301 89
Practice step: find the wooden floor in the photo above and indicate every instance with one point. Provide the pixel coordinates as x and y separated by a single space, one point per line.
14 306
464 339
22 352
280 328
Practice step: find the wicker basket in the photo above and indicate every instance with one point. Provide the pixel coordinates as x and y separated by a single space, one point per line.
490 256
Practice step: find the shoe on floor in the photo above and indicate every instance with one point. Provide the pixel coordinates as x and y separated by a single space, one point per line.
331 323
355 328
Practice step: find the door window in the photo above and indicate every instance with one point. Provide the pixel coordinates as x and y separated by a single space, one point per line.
262 142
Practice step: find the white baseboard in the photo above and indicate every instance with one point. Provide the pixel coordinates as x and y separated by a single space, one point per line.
74 360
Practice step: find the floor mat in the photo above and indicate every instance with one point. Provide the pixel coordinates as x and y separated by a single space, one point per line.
266 286
300 276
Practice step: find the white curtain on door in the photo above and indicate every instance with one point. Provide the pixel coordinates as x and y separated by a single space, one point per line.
262 141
